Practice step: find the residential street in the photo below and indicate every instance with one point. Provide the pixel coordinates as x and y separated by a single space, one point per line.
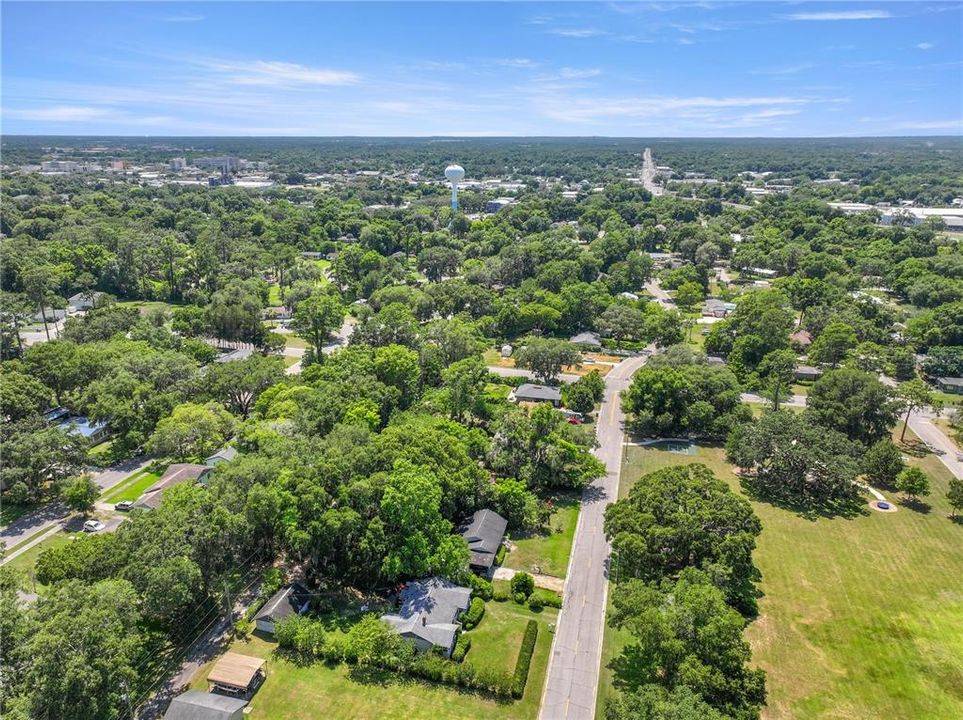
340 340
52 513
573 672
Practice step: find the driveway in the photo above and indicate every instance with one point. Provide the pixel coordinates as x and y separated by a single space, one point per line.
573 671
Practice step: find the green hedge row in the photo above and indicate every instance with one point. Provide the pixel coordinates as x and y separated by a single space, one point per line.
524 659
462 646
473 615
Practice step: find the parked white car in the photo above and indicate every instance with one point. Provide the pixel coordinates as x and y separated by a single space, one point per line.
93 526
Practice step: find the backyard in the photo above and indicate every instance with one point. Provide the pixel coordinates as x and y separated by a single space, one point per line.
859 618
303 691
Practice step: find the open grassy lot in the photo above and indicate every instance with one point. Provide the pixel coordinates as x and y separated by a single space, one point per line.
860 618
274 295
134 486
146 307
549 552
295 691
294 341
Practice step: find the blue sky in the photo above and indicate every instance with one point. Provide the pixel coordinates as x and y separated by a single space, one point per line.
617 69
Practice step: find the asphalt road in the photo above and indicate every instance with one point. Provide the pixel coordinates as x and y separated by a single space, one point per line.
340 340
648 173
53 513
573 671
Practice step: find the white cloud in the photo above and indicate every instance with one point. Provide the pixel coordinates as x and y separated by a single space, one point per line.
62 113
931 125
588 110
841 15
516 62
925 45
276 72
578 32
183 18
567 73
783 69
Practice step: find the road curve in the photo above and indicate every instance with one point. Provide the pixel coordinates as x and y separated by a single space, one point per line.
573 670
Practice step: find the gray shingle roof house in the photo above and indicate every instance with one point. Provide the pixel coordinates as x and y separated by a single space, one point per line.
176 474
291 600
239 354
198 705
225 454
429 611
529 392
807 372
587 337
950 385
484 536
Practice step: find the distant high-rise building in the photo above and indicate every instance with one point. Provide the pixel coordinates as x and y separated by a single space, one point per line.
223 163
178 164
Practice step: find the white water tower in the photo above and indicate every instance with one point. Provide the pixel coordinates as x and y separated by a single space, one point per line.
455 174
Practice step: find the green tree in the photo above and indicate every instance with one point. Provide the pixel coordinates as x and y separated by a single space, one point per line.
36 456
578 398
653 702
316 317
915 394
398 367
513 501
833 343
913 482
80 492
794 459
466 380
372 642
684 634
522 583
57 364
238 384
882 463
545 357
777 368
413 525
853 402
621 322
85 652
192 430
656 531
689 294
954 495
22 395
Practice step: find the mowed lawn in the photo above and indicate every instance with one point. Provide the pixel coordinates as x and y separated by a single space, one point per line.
134 486
549 551
860 618
296 691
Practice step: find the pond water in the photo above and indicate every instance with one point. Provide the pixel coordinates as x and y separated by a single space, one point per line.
681 447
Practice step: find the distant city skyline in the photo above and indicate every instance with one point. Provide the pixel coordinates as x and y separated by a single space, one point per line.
669 69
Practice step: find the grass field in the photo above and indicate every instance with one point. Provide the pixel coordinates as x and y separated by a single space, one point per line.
25 563
294 341
274 295
134 486
295 691
860 618
146 307
549 552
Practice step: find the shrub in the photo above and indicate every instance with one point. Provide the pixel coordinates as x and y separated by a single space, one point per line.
462 646
243 628
500 555
473 615
519 598
523 583
534 603
547 598
500 595
480 586
524 659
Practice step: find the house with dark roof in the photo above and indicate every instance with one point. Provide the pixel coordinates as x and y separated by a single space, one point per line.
428 614
176 474
198 705
807 373
952 385
484 535
529 392
239 354
286 602
225 454
587 338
